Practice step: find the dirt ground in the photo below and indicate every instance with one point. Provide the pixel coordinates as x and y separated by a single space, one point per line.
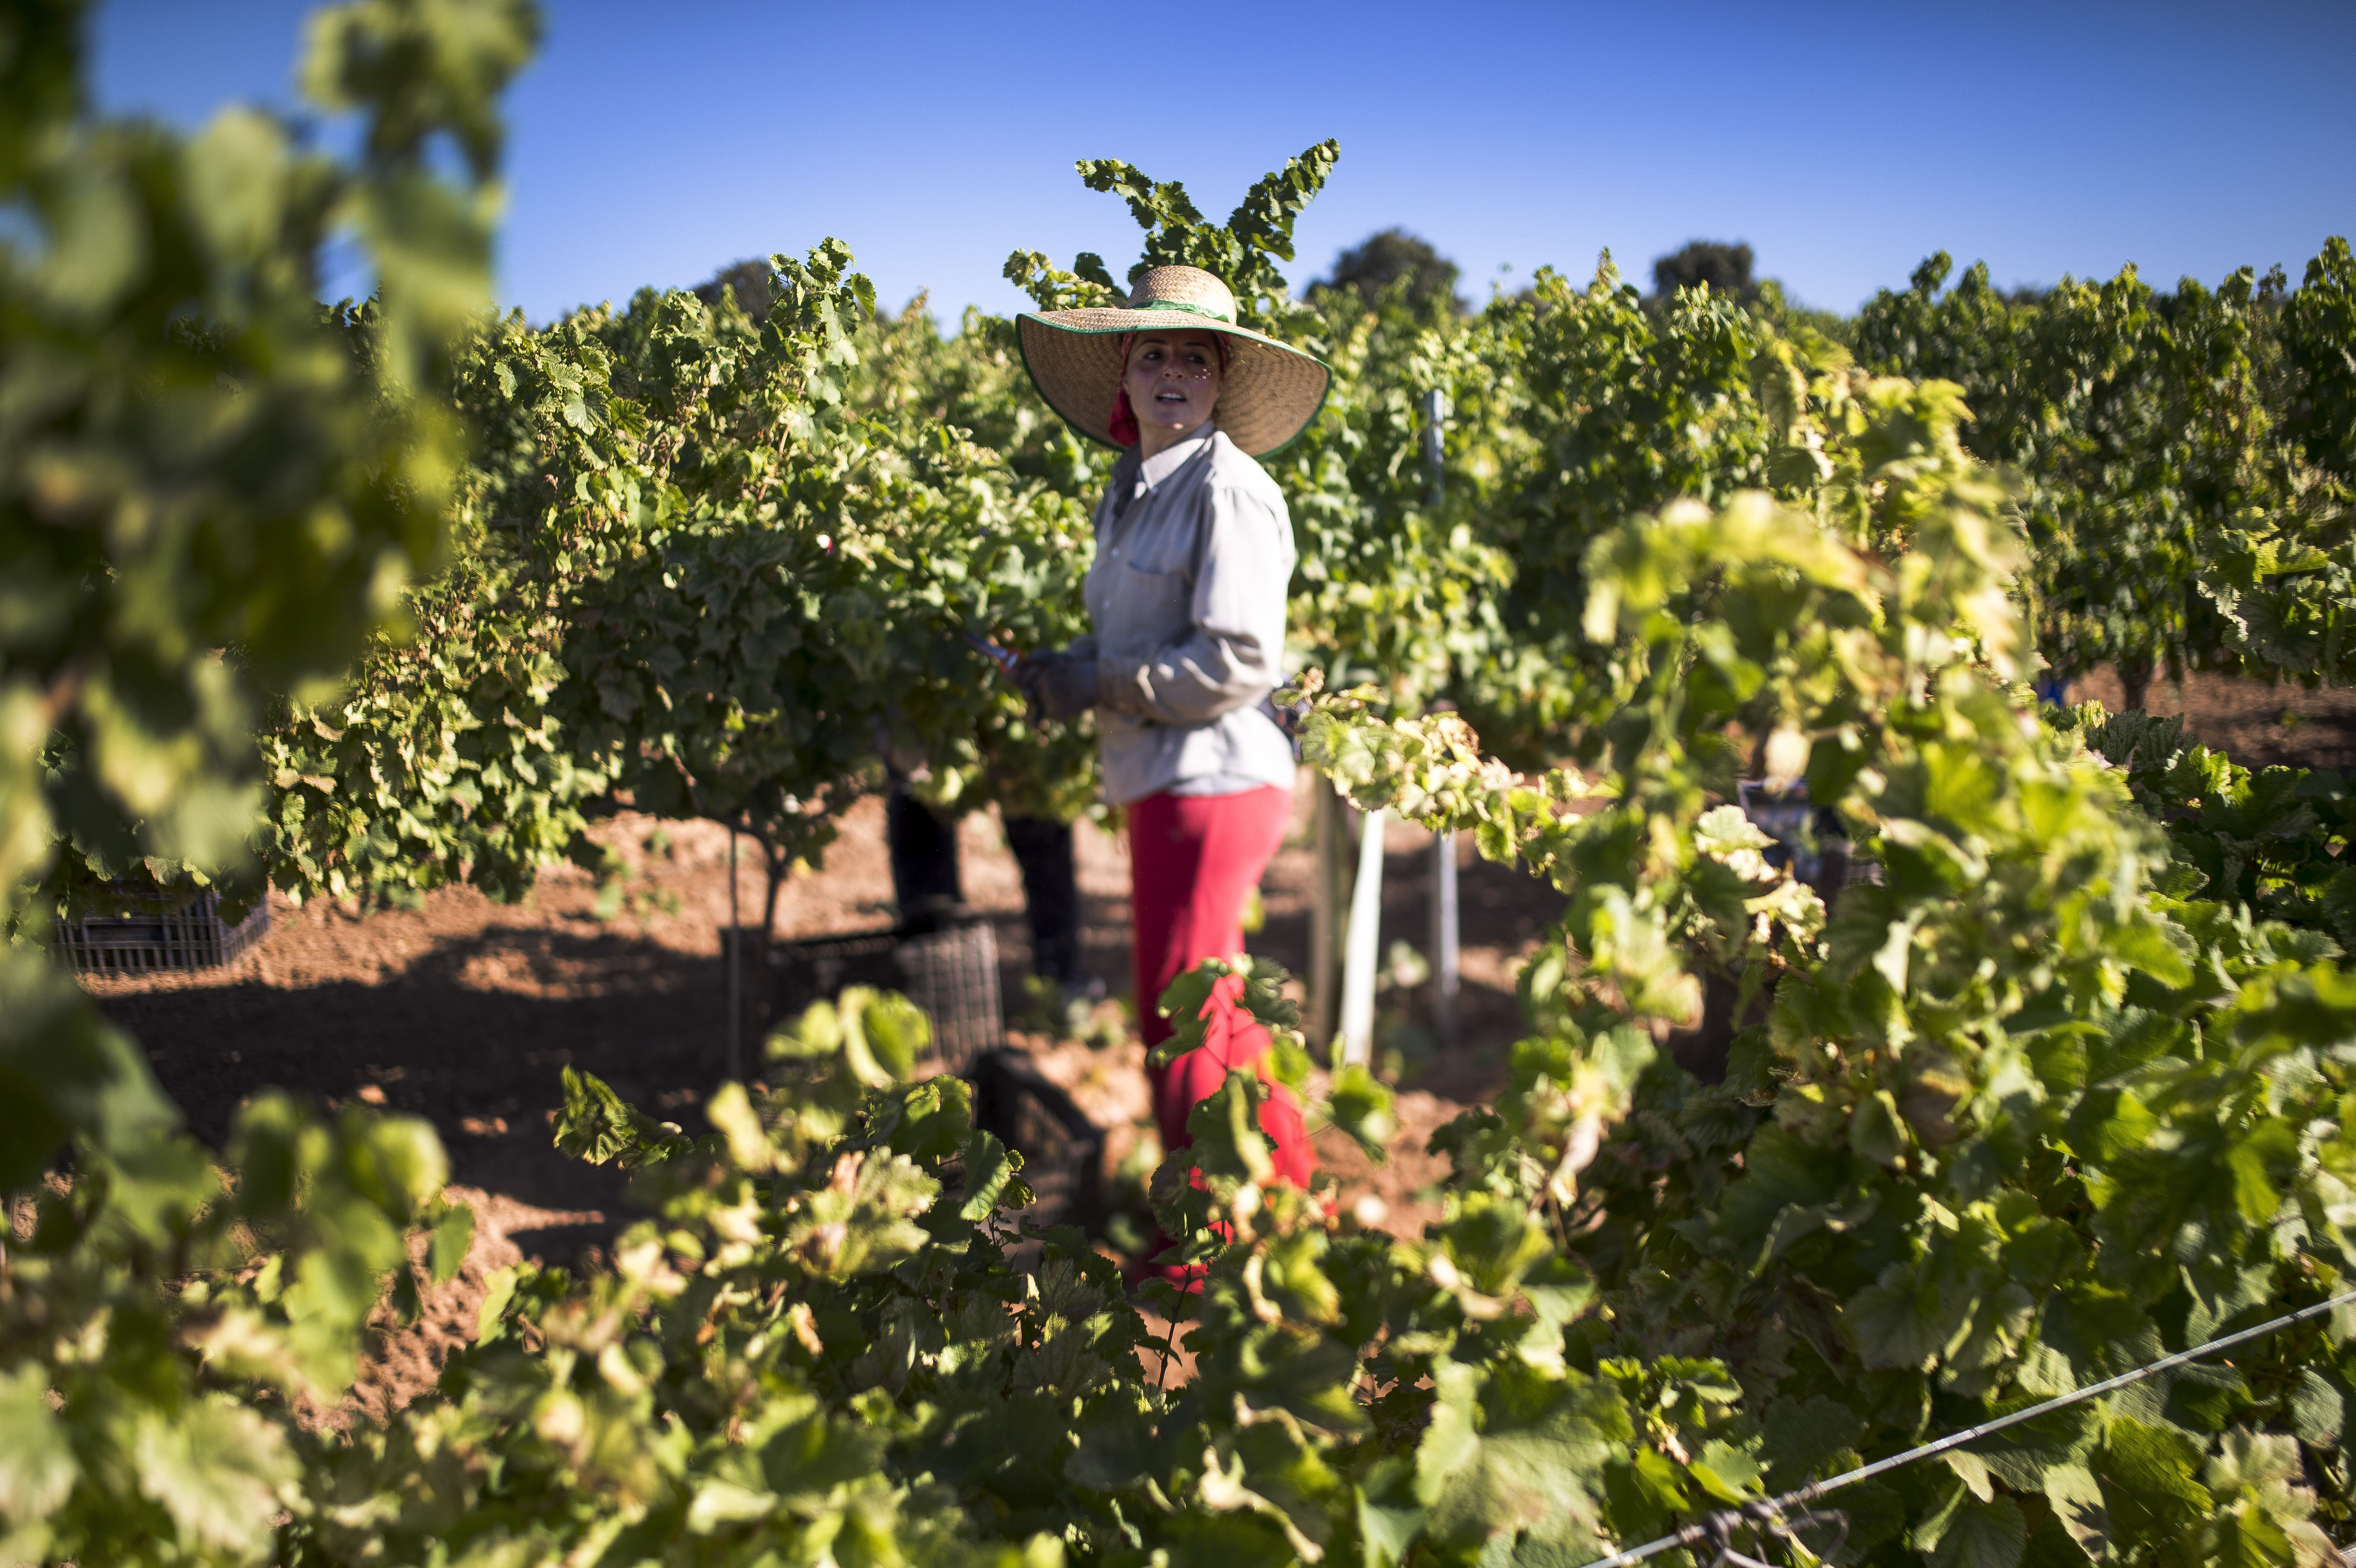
464 1011
2256 724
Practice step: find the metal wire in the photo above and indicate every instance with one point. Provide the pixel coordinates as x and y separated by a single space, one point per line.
1774 1513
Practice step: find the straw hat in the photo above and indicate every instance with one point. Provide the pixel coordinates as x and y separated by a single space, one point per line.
1269 394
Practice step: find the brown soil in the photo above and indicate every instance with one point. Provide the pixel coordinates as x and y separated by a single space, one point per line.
463 1010
2256 724
407 1359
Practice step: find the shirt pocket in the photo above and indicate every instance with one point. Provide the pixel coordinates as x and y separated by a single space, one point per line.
1145 609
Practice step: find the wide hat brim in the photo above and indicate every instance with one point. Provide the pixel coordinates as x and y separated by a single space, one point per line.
1270 393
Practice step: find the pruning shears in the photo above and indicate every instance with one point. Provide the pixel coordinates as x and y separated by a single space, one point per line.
1004 658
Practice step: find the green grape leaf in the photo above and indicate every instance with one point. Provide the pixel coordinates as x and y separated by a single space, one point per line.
37 1460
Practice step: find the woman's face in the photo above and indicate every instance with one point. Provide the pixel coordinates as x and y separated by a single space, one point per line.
1173 384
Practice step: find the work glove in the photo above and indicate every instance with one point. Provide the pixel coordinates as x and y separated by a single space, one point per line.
1060 685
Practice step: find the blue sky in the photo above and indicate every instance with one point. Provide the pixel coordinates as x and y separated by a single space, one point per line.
654 144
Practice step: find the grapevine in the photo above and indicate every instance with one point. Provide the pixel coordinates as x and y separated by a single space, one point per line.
419 591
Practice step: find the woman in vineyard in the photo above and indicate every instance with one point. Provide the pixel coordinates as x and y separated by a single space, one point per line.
1187 598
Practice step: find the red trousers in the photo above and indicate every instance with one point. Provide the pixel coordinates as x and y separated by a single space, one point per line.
1193 860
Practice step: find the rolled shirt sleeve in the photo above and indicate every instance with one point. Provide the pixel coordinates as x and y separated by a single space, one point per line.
1231 657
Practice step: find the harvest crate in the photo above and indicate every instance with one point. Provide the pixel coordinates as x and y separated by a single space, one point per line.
949 970
1808 838
1061 1150
160 931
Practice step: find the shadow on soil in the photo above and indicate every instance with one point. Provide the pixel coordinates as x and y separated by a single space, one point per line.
473 1034
480 1060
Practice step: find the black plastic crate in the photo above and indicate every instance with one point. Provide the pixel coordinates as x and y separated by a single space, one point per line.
1808 838
949 968
158 932
1063 1151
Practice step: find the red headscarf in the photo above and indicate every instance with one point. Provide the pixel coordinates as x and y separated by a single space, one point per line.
1123 428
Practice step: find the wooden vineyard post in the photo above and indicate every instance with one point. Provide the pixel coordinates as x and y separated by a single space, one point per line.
735 958
1446 969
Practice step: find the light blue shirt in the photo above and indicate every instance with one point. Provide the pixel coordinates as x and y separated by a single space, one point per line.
1187 596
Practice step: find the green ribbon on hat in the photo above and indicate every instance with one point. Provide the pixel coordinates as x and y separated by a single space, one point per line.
1189 309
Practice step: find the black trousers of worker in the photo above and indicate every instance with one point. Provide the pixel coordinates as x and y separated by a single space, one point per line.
924 849
926 881
1050 891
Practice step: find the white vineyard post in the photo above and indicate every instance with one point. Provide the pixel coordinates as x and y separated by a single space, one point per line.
1328 833
1364 937
1446 969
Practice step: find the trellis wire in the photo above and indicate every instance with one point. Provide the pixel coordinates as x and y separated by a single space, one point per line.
1769 1512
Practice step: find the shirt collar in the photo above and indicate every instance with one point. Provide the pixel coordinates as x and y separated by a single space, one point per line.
1176 455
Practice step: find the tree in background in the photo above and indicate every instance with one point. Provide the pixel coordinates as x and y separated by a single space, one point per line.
750 281
1726 267
1379 261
